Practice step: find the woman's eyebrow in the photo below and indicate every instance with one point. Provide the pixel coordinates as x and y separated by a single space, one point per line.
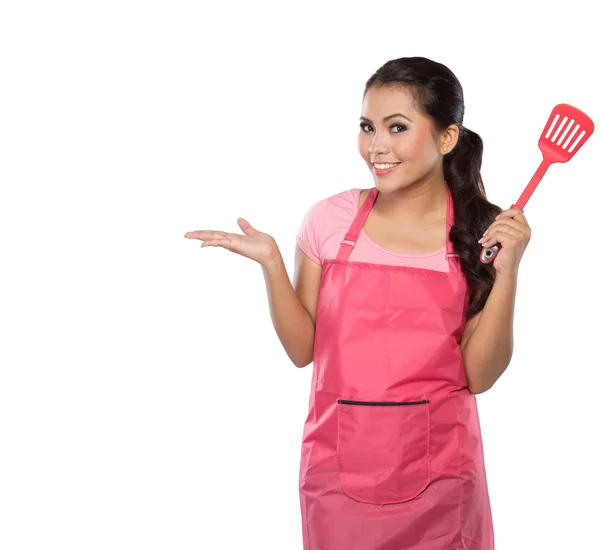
387 117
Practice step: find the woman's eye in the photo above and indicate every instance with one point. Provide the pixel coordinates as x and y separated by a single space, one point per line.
364 127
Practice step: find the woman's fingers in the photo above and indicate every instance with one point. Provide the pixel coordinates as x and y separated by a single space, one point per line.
253 244
206 234
513 217
511 221
246 227
224 243
515 214
231 242
506 221
505 233
506 238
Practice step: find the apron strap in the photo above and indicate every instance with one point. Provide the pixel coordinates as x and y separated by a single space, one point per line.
347 245
451 255
351 237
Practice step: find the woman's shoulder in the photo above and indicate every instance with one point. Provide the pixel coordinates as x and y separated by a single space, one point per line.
339 203
326 222
331 213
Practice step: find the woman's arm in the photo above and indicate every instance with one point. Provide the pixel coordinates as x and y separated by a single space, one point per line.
487 347
293 310
488 350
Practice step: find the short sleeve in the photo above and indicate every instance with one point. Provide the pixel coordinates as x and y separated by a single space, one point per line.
309 237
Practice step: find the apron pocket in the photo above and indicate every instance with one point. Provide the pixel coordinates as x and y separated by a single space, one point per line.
383 449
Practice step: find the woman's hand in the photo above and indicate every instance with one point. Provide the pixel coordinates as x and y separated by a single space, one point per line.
512 231
255 245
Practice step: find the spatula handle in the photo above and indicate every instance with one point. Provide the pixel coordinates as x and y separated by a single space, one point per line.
488 255
539 174
552 152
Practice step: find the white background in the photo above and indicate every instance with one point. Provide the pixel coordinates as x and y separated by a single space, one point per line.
145 399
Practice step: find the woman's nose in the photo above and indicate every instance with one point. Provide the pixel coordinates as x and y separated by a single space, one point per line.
377 147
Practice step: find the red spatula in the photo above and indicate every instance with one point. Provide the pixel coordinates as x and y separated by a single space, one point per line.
566 131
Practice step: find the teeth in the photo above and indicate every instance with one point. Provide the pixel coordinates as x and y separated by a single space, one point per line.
384 166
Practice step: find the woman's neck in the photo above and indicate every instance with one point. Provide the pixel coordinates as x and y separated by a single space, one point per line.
416 204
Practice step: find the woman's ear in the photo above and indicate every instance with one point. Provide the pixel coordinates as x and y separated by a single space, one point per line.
448 139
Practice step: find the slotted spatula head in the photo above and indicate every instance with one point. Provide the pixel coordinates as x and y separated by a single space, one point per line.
566 131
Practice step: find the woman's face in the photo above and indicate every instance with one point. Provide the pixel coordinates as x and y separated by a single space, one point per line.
387 137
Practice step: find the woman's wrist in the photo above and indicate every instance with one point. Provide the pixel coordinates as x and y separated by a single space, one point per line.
273 263
510 276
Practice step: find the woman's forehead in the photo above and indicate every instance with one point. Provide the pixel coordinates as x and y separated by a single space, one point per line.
380 102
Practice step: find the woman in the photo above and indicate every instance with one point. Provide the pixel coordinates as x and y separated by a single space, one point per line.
403 322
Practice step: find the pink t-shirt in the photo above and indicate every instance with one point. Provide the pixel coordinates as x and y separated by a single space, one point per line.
326 223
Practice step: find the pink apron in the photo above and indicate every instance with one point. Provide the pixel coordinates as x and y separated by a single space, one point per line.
392 455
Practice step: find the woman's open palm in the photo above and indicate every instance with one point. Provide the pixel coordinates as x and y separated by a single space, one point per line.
253 244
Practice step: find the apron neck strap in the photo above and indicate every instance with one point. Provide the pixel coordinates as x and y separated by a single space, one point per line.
347 245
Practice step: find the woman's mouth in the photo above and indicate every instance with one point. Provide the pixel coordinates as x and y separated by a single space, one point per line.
384 168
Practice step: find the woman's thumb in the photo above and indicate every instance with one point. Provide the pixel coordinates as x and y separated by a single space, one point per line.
246 227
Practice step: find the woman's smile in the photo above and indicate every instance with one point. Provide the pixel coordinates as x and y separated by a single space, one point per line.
384 168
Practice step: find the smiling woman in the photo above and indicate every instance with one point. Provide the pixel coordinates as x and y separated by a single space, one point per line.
403 323
391 453
404 134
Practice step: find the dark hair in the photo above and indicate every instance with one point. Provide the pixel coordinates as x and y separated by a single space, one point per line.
439 96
